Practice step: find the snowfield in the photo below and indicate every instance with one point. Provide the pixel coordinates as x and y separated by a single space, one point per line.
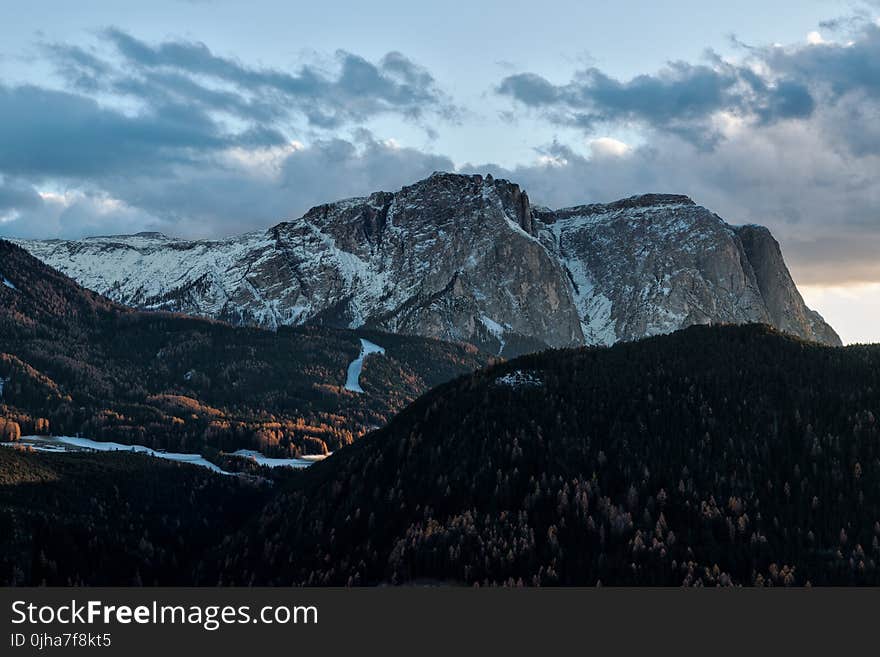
85 443
352 382
71 444
274 463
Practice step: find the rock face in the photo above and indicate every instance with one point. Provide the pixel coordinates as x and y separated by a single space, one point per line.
655 263
784 303
463 258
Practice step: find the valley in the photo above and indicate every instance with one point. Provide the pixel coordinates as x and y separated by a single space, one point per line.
74 363
631 393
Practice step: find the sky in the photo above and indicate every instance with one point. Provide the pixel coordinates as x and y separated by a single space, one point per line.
204 118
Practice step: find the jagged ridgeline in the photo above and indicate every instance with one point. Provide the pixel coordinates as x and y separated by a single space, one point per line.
463 258
72 361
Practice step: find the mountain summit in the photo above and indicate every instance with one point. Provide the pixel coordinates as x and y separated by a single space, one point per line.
463 258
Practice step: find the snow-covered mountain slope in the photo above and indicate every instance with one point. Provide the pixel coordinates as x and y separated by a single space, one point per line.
463 258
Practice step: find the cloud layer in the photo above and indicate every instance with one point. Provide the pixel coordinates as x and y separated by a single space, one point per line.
682 98
173 136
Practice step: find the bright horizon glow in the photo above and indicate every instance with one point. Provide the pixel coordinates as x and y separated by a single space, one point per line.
851 310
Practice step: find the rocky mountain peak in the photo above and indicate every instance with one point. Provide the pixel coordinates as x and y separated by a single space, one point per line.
513 199
465 258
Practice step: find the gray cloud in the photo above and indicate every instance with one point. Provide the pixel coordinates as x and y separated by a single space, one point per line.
223 196
24 212
772 84
165 136
55 133
189 72
852 66
680 99
16 195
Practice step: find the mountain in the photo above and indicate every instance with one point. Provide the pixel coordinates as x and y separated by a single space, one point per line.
463 258
715 455
72 361
652 264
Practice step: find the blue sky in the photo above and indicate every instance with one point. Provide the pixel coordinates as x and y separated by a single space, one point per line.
205 118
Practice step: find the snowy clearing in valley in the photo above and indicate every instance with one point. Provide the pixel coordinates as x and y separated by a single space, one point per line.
70 444
303 462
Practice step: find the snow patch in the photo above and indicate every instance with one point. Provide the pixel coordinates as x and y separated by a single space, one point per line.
352 382
37 447
71 444
496 329
65 443
520 379
144 270
274 463
9 284
594 308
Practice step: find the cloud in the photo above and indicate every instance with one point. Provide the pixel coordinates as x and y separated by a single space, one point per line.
190 73
66 214
769 85
608 147
836 68
49 133
240 190
172 136
680 99
148 107
16 196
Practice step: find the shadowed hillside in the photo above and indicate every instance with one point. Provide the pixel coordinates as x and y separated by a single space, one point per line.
73 362
114 519
716 455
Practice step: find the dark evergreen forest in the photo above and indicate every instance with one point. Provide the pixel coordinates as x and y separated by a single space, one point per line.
714 456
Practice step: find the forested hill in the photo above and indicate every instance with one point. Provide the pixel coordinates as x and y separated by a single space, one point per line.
72 361
716 455
115 519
